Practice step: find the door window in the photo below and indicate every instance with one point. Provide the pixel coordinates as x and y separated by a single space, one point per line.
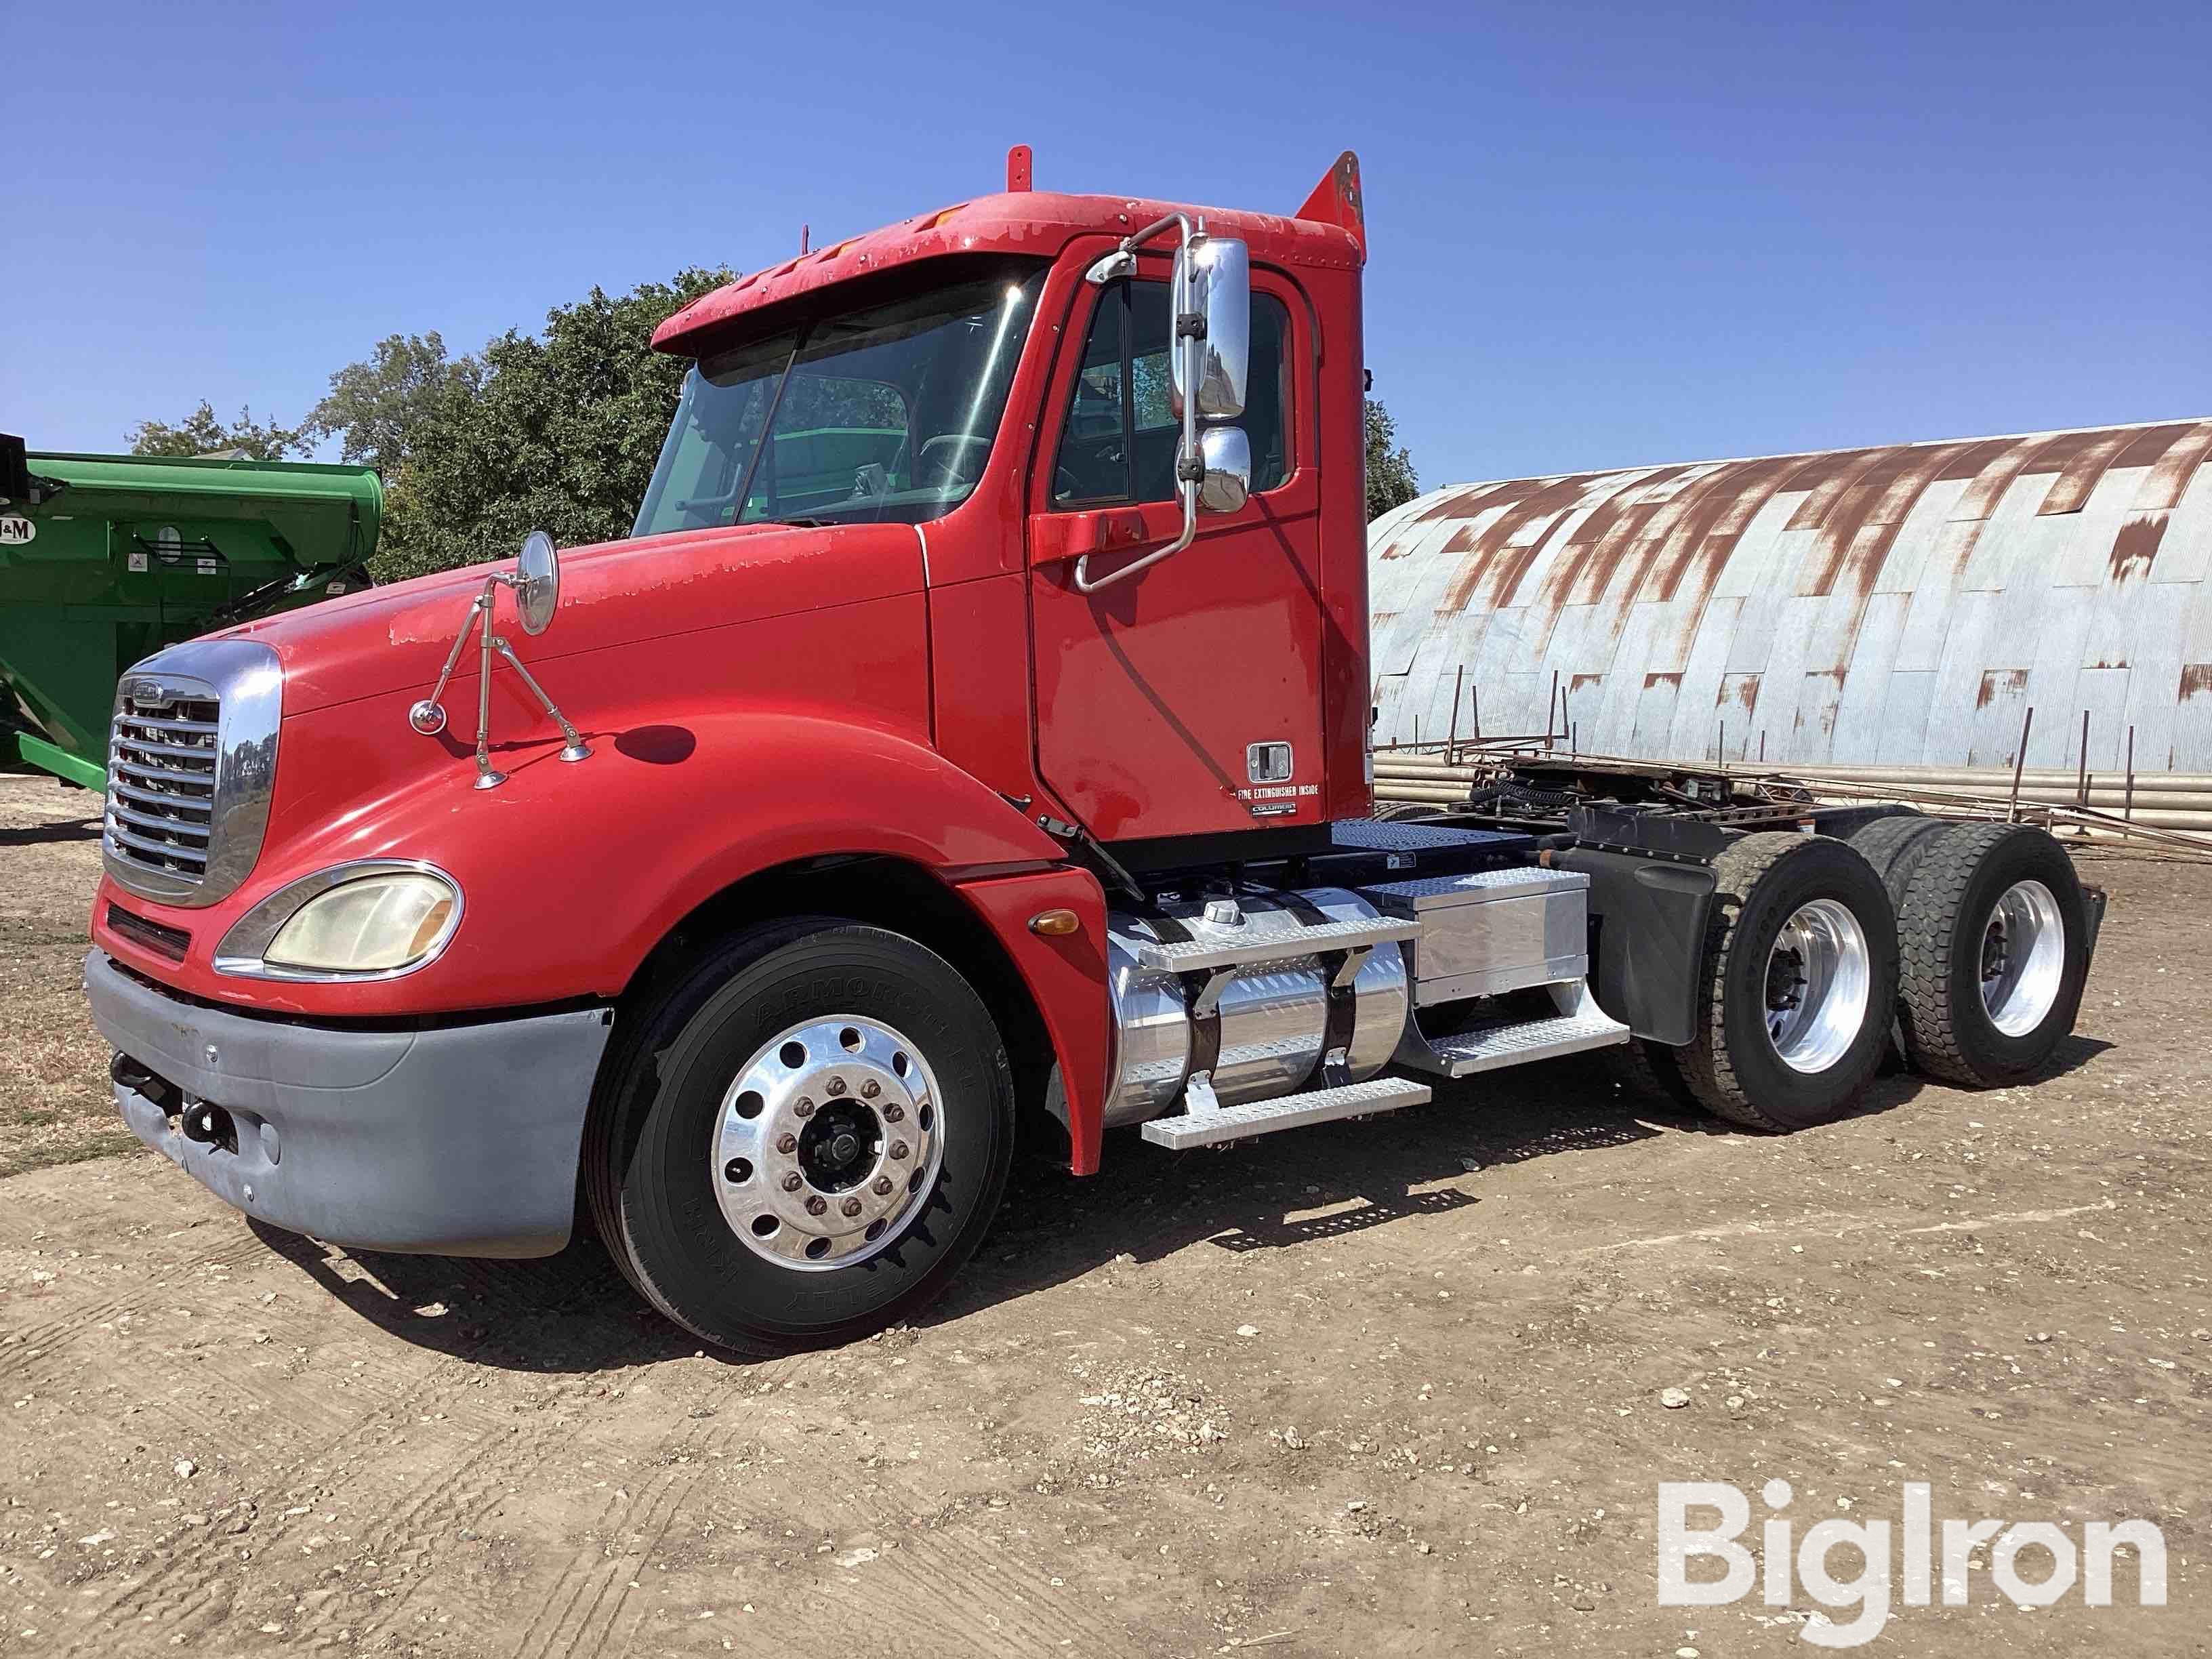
1120 440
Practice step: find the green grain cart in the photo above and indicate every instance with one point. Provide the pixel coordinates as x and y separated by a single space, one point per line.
104 559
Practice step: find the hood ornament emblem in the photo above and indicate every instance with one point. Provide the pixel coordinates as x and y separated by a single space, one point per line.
536 579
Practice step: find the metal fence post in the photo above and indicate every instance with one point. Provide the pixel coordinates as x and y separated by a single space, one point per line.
2019 762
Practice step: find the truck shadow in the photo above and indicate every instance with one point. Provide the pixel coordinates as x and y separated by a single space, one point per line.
574 1312
48 835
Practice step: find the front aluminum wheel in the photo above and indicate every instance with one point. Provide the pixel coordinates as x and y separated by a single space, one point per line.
2023 957
1819 975
828 1138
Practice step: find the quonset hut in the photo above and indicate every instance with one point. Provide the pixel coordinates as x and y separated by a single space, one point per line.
1901 607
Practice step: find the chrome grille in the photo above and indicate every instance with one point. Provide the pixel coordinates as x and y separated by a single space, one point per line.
191 768
160 785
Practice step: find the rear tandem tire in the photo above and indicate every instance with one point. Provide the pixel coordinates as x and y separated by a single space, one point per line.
1652 1070
1734 1066
654 1147
1895 846
1959 939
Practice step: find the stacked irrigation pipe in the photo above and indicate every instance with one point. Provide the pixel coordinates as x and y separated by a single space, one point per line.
2171 811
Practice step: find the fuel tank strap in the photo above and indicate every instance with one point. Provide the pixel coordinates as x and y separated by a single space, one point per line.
1167 929
1202 995
1331 1068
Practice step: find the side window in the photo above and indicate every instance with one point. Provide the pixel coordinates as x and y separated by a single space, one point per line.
1119 443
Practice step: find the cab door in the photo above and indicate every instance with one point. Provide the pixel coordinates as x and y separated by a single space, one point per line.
1186 699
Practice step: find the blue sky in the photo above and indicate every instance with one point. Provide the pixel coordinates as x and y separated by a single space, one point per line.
1600 235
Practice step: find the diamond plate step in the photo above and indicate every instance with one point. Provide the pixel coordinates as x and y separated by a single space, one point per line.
1509 1042
1272 936
1260 1117
1396 836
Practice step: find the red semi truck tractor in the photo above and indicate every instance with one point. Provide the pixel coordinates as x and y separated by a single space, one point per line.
974 733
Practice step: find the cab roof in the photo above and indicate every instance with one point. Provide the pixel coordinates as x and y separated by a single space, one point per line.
1326 231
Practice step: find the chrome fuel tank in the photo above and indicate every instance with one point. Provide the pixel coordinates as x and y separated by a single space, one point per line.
1272 1009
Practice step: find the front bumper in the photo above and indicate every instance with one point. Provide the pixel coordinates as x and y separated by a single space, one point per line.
459 1140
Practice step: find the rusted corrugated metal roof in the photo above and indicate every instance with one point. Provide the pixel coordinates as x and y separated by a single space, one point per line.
1903 604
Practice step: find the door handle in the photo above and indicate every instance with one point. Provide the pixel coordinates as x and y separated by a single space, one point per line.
1083 536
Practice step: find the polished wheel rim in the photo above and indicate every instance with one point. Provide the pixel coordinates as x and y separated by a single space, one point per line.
828 1138
1819 976
2023 957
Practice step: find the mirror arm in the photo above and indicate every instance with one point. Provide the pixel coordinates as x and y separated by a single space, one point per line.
1190 336
488 777
572 748
428 716
1122 261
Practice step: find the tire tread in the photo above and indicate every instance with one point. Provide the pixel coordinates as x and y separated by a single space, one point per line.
1740 1076
1930 938
1707 1068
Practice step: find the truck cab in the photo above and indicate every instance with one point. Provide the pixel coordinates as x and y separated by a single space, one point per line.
971 737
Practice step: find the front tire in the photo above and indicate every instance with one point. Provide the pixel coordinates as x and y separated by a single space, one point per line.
1799 977
802 1138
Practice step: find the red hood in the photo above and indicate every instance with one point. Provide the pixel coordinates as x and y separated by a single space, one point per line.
394 638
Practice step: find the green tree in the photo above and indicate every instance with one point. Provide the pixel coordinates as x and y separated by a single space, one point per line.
1391 480
375 405
201 434
556 431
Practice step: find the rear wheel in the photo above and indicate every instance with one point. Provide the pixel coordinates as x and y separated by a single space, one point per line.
1798 980
1995 954
803 1137
1894 846
1652 1070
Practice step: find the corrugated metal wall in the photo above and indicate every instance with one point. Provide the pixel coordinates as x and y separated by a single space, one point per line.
1864 606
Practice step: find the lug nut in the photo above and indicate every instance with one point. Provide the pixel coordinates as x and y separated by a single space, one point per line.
893 1112
836 1086
898 1149
792 1182
786 1143
805 1108
816 1205
883 1186
871 1089
851 1207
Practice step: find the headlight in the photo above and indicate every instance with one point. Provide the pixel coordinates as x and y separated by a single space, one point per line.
371 920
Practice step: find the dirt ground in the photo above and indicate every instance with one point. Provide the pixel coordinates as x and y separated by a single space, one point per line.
1394 1386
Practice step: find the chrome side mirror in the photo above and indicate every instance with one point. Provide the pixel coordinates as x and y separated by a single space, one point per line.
537 582
1226 483
1213 291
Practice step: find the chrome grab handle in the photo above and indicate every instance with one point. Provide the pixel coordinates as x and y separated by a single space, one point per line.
1084 585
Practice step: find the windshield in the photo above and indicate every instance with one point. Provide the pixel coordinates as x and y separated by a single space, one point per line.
882 414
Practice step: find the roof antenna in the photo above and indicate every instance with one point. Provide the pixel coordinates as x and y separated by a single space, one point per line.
1018 168
804 232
